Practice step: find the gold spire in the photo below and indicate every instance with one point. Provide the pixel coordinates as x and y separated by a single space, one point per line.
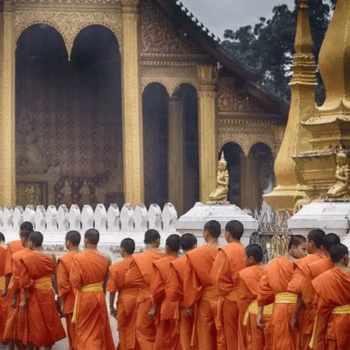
302 107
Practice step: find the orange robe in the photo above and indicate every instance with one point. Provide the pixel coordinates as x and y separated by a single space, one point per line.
225 274
67 293
315 269
92 328
17 320
175 293
4 302
139 275
44 323
200 293
168 334
12 248
296 286
248 289
277 274
333 290
127 300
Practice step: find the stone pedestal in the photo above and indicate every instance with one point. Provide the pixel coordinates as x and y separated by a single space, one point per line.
193 221
330 217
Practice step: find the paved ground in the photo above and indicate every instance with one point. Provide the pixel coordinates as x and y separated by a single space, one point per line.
63 344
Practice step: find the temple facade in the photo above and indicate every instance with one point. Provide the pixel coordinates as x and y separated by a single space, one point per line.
127 101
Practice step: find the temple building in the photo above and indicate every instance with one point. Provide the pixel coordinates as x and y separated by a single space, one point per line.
127 101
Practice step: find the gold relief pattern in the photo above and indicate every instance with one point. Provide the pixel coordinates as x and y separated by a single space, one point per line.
69 24
33 193
170 77
159 35
230 101
247 136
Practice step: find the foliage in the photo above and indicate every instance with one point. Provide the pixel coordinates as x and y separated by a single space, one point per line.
269 45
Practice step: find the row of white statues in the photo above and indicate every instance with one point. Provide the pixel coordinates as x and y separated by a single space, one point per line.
112 222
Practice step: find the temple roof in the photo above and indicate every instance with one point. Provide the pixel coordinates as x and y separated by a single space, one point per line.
185 21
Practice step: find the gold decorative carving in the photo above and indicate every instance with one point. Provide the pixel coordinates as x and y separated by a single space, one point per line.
229 101
159 35
222 179
170 77
246 135
69 24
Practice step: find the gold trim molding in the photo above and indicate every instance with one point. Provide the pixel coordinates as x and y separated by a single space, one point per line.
170 77
69 24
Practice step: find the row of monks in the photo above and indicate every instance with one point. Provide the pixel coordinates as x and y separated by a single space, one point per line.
209 298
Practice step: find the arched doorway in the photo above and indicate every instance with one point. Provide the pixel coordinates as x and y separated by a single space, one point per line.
262 171
234 155
184 121
68 118
155 143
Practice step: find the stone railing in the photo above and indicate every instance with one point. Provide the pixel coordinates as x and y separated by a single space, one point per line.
113 224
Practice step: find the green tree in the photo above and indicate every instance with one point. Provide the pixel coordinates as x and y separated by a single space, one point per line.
268 46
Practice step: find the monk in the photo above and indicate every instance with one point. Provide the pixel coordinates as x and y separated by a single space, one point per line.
333 299
127 297
88 276
65 290
44 327
315 269
4 302
168 333
228 263
175 291
16 325
200 295
255 339
13 247
139 275
273 289
314 249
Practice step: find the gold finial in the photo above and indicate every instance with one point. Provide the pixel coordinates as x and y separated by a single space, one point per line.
222 159
303 38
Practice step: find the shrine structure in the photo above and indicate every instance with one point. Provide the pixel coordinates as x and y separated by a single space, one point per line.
127 101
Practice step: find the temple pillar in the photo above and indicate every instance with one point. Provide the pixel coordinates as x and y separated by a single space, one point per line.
7 106
176 162
132 106
207 110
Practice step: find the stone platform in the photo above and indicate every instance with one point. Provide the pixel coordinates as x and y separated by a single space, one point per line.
331 217
193 221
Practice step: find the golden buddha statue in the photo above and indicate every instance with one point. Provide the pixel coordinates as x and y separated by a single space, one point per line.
341 188
222 179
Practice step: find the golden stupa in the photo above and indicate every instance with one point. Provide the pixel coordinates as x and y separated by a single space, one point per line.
312 164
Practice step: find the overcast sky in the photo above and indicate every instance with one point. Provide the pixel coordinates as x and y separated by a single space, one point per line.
218 15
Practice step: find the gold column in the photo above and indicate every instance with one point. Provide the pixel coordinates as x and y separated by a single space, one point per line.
132 106
207 110
7 106
176 154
